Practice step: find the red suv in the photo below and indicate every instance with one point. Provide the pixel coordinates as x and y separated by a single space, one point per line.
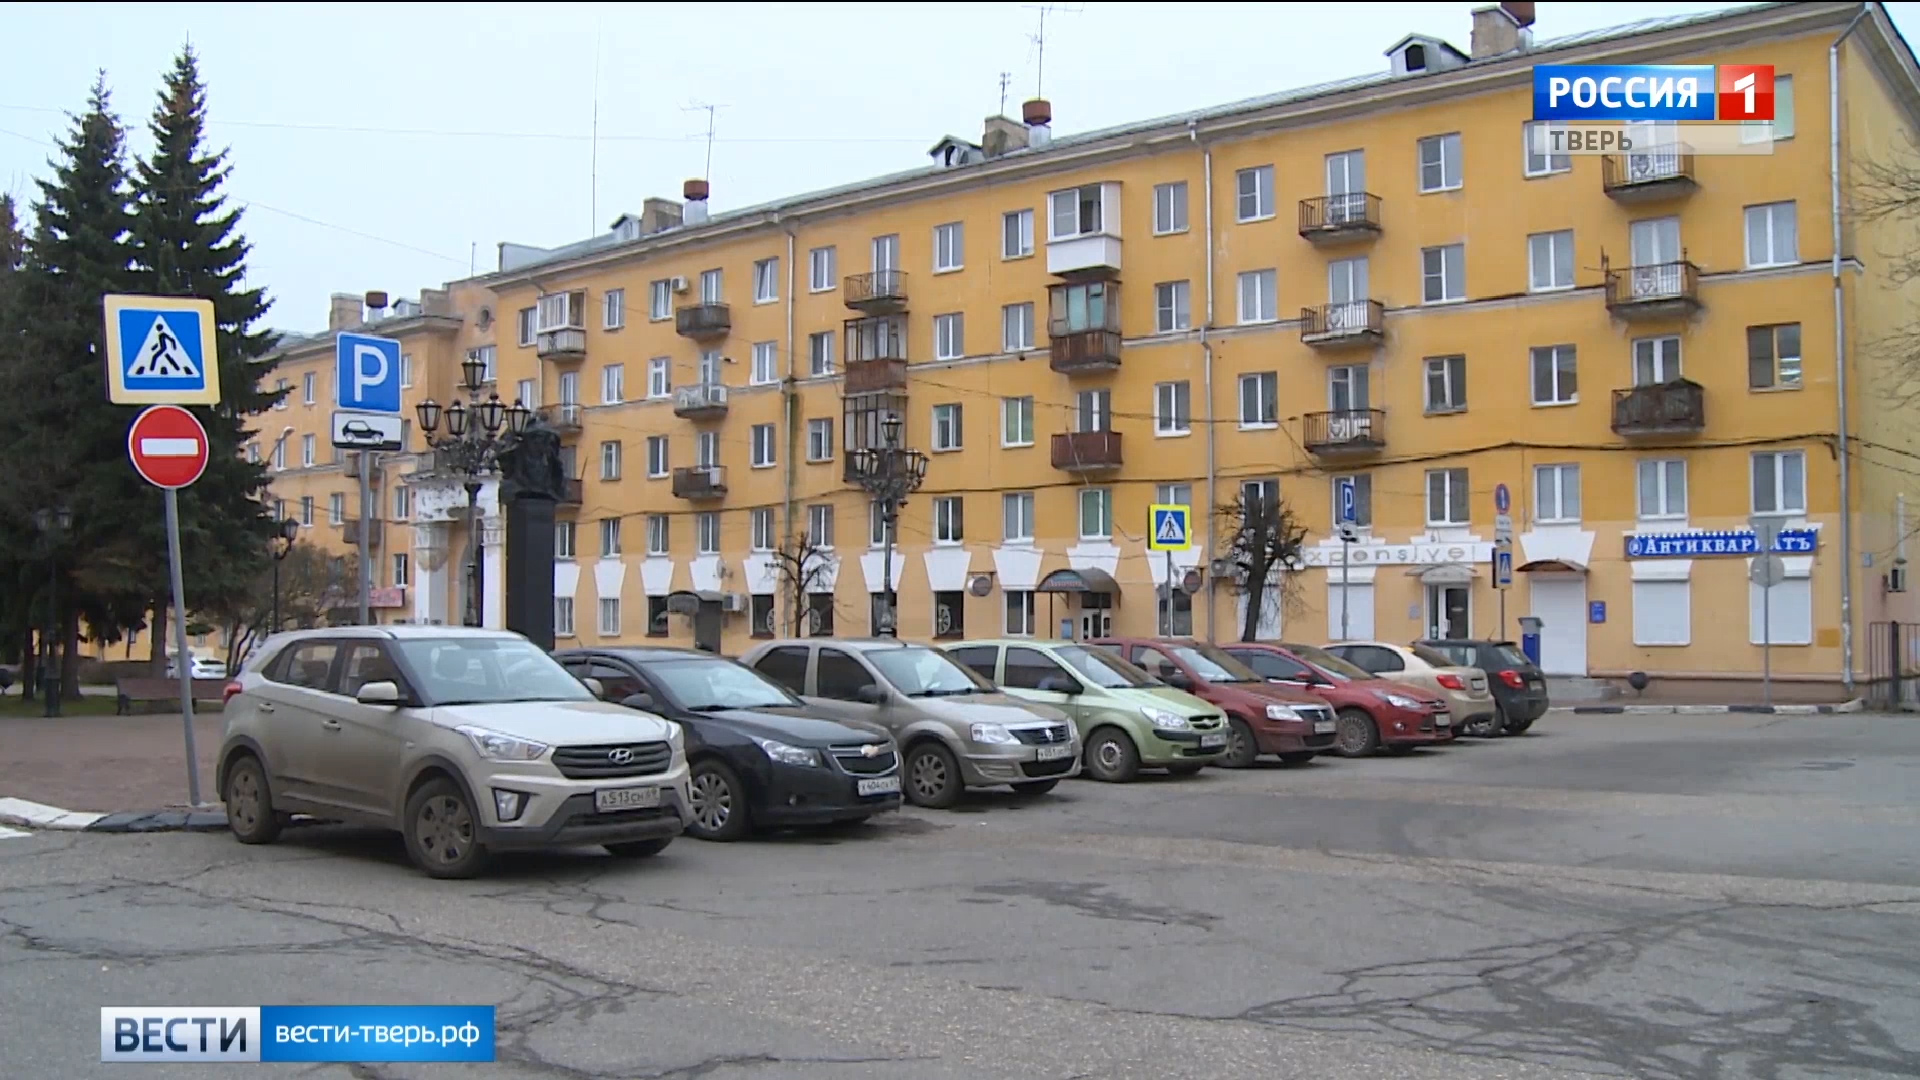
1262 718
1372 712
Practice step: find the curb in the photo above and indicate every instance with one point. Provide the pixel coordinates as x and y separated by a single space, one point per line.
1854 706
41 816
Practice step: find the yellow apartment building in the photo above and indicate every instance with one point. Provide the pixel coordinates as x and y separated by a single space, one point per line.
1375 279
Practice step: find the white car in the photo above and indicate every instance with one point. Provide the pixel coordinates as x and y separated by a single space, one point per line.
200 667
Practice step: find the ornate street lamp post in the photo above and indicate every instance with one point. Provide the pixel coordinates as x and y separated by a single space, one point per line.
52 524
281 544
477 434
889 473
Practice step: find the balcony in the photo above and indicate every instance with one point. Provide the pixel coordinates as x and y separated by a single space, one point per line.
881 292
1346 431
562 346
700 482
1340 219
1074 352
875 375
703 322
564 419
1662 291
571 492
1086 451
701 401
1674 408
350 533
1648 177
1089 257
1356 323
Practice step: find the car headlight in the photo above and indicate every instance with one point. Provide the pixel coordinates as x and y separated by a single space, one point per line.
1282 712
1161 718
991 733
786 754
1400 701
499 746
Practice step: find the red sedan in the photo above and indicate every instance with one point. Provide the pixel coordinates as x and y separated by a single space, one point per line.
1371 712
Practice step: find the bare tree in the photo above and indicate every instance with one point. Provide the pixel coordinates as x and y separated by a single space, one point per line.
1886 192
1262 538
803 566
314 583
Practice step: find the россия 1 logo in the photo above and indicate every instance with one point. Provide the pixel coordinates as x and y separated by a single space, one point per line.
1639 92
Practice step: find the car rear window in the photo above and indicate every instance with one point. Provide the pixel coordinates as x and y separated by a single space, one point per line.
1433 656
1507 654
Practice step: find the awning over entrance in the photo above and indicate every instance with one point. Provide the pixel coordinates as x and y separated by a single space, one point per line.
1556 566
687 602
1090 580
1445 574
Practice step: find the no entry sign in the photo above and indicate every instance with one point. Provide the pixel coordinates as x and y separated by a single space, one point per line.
168 446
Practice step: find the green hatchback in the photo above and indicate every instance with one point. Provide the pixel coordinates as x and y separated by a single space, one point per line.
1128 720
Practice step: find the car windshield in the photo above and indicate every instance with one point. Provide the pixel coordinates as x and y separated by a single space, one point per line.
1329 663
698 684
921 672
1507 654
486 671
1432 656
1102 668
1214 665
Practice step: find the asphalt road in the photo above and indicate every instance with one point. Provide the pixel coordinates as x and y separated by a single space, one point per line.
1662 897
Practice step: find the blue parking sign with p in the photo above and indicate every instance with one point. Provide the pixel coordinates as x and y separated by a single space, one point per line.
1349 502
367 373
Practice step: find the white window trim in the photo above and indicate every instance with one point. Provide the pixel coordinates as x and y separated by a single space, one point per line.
1526 151
1559 493
1028 505
754 447
1666 496
1273 196
665 450
613 309
1006 403
1026 235
1778 491
1746 234
1181 186
1080 513
771 350
1532 266
1240 297
663 287
832 259
954 501
1461 285
819 424
771 295
942 349
959 247
1240 401
959 436
1426 496
1160 428
1553 351
1419 166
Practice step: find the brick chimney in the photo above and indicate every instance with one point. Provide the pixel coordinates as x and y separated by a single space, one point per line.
1003 134
657 214
345 311
1501 29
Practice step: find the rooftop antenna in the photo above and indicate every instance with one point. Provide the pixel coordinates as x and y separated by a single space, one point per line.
1006 79
1039 39
593 166
710 109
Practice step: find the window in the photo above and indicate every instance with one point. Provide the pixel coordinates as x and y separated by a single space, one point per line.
610 460
660 300
488 358
949 247
762 440
1096 514
1076 212
660 377
1782 615
403 503
306 510
1780 482
337 508
706 533
948 520
1362 499
1556 494
569 388
949 614
820 354
1016 327
1781 127
280 454
1259 491
561 311
609 537
657 456
1772 236
565 539
659 534
822 263
1447 497
1170 208
1019 613
949 336
614 309
280 387
406 369
1016 517
402 569
1656 361
306 387
712 287
1773 357
563 616
280 509
1550 261
820 525
1016 421
1172 306
1440 163
766 281
1446 383
527 392
708 372
609 616
820 439
1663 488
656 616
1443 273
306 451
877 530
1259 299
1173 408
760 528
1662 612
1093 410
1555 379
761 615
526 322
1538 138
1255 187
819 615
1259 399
613 384
946 427
1016 234
1173 494
839 676
765 370
253 453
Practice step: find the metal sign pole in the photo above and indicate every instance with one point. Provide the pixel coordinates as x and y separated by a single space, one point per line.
366 544
1346 546
1766 643
1169 630
181 662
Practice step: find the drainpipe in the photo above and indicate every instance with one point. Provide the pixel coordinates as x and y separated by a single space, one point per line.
1206 366
789 411
1840 355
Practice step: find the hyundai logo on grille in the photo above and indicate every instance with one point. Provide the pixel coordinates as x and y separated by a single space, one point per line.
620 755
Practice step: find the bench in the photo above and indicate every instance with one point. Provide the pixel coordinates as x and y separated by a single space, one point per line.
130 690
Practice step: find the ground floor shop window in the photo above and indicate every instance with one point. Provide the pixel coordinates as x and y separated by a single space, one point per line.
1784 616
1663 612
950 614
1019 613
763 615
1177 622
820 615
656 616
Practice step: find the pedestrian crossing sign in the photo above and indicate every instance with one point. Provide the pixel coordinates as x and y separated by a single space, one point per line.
160 351
1169 527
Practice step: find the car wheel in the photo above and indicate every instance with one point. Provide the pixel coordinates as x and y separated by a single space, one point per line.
1356 735
639 849
1519 728
249 803
442 833
1037 787
1185 768
933 776
1242 747
1295 759
1110 756
718 803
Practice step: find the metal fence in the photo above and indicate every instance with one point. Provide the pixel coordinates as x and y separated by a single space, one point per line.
1893 665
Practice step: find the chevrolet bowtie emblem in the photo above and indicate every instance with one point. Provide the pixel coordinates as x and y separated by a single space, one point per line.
873 750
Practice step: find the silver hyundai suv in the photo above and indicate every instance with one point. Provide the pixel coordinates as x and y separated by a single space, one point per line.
465 741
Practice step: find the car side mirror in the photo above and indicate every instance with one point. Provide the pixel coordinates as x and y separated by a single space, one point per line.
595 687
385 692
1055 684
642 701
1179 681
871 694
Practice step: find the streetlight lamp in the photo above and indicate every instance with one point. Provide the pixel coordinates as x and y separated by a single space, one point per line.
477 434
281 543
890 474
52 524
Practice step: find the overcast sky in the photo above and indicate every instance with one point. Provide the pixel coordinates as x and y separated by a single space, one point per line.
392 146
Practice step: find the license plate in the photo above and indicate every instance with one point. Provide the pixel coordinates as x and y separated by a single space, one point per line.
880 785
1208 742
1053 753
1323 727
1441 719
626 798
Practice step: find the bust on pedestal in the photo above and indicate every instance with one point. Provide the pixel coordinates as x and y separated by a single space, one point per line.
533 479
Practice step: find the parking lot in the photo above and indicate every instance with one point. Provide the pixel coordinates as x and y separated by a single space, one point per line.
1649 896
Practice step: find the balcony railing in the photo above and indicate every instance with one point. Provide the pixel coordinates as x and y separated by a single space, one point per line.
561 418
1672 408
701 401
561 346
1645 177
571 492
878 292
703 322
1340 218
1086 451
1346 431
875 375
1663 290
700 482
1073 351
350 532
1356 322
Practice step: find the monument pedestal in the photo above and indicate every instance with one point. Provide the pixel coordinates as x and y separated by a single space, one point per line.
529 584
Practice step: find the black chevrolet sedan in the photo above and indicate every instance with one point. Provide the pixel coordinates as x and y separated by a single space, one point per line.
758 760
